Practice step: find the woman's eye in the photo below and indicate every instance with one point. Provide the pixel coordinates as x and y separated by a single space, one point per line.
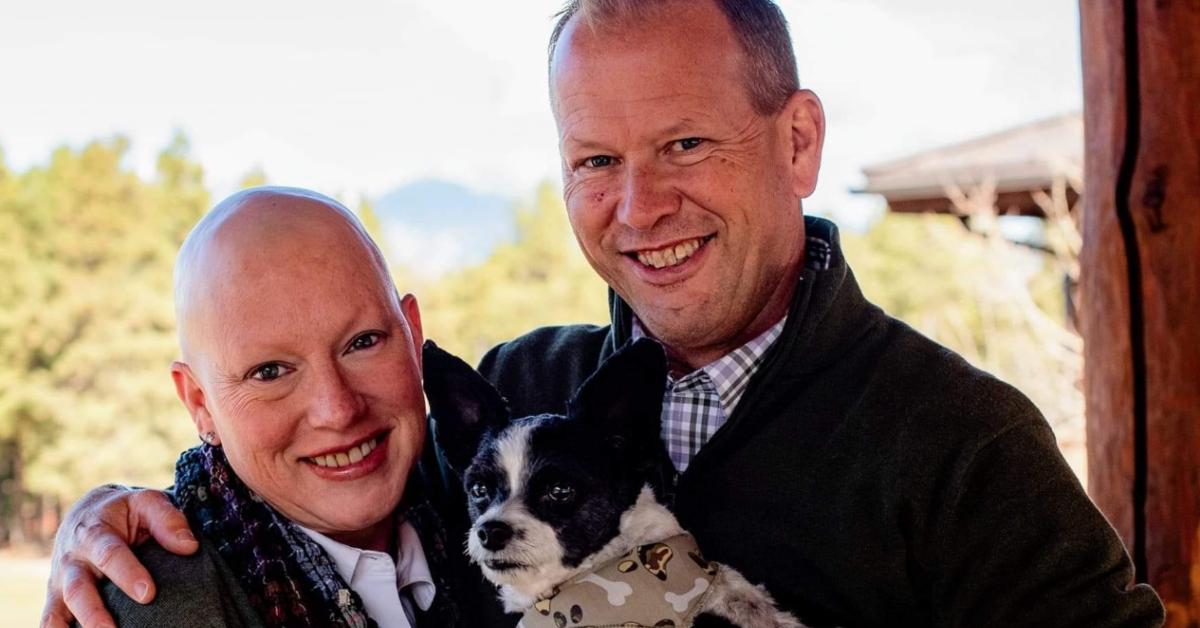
365 341
686 144
479 490
268 372
561 492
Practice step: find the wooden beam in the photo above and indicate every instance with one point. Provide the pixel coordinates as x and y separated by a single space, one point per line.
1140 312
1007 204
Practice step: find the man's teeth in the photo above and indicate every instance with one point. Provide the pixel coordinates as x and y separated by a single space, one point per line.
671 255
348 457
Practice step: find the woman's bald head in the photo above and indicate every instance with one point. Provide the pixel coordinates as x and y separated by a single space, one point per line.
295 345
287 237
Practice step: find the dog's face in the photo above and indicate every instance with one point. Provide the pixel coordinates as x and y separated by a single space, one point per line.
545 492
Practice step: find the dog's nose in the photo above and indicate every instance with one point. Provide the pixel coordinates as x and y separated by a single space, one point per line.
494 535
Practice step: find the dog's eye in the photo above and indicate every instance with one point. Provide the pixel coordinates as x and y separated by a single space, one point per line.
561 492
479 490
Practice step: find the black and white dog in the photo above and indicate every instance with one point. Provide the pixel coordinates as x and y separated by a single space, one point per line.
563 506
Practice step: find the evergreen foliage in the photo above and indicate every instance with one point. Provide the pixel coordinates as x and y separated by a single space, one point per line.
539 279
86 320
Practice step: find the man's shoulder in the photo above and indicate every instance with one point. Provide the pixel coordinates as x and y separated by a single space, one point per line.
567 343
537 372
196 590
936 385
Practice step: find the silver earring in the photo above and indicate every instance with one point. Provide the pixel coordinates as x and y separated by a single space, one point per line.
208 437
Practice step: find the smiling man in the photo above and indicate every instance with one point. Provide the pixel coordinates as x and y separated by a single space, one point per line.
682 193
863 474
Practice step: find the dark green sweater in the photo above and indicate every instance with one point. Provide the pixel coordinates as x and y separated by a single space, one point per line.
198 591
202 591
870 477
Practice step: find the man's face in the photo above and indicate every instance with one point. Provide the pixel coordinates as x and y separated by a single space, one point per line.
311 377
683 197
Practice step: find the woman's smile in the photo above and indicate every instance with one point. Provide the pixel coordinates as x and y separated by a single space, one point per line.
352 463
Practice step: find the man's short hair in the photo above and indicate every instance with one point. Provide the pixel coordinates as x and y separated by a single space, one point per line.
759 25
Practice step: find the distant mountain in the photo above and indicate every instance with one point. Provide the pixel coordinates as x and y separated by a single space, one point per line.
434 226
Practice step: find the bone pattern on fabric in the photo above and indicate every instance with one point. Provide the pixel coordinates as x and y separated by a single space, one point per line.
655 585
617 592
681 602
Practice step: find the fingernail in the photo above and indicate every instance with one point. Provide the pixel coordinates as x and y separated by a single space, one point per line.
185 536
141 589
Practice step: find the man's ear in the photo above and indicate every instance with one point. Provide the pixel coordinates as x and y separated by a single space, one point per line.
463 404
188 389
623 398
804 119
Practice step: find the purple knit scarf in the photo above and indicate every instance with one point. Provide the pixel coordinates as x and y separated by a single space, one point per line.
287 577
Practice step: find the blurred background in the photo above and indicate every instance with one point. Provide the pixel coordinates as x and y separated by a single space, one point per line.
953 165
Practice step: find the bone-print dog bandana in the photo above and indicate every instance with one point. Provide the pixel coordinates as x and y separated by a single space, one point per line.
658 585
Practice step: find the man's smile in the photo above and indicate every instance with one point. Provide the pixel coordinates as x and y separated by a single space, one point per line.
669 264
671 254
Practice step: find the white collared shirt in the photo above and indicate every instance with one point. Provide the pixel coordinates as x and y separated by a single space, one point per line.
388 588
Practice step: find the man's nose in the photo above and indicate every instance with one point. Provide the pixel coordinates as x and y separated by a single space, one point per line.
647 199
336 403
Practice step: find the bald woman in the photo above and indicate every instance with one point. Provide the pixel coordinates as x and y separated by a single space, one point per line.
301 370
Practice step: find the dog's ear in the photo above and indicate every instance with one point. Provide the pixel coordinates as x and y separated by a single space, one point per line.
623 398
463 404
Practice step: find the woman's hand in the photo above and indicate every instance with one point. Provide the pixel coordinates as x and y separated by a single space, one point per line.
94 542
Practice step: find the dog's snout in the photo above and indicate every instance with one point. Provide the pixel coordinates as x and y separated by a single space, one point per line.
494 535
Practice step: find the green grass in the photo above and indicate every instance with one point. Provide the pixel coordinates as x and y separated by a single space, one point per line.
22 590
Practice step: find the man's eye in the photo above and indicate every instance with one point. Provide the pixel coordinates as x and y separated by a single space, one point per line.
598 161
268 372
479 490
365 341
686 144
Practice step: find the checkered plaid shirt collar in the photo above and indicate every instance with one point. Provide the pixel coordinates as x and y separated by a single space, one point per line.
731 373
698 404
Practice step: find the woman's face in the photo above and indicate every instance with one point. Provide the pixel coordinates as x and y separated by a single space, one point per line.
306 366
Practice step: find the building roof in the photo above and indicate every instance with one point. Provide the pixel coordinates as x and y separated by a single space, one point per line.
1020 160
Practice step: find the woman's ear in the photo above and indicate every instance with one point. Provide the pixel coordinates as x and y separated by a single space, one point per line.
412 314
804 118
188 389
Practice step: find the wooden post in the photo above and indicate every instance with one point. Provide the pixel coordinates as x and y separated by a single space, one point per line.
1140 286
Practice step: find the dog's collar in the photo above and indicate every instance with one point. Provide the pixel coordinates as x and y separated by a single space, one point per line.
652 583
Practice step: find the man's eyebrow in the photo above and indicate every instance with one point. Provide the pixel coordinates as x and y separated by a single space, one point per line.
583 144
682 127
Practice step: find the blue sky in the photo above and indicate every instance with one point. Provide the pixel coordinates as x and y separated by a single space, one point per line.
357 97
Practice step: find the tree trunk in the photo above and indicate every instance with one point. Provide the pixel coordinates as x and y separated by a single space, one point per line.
1141 285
